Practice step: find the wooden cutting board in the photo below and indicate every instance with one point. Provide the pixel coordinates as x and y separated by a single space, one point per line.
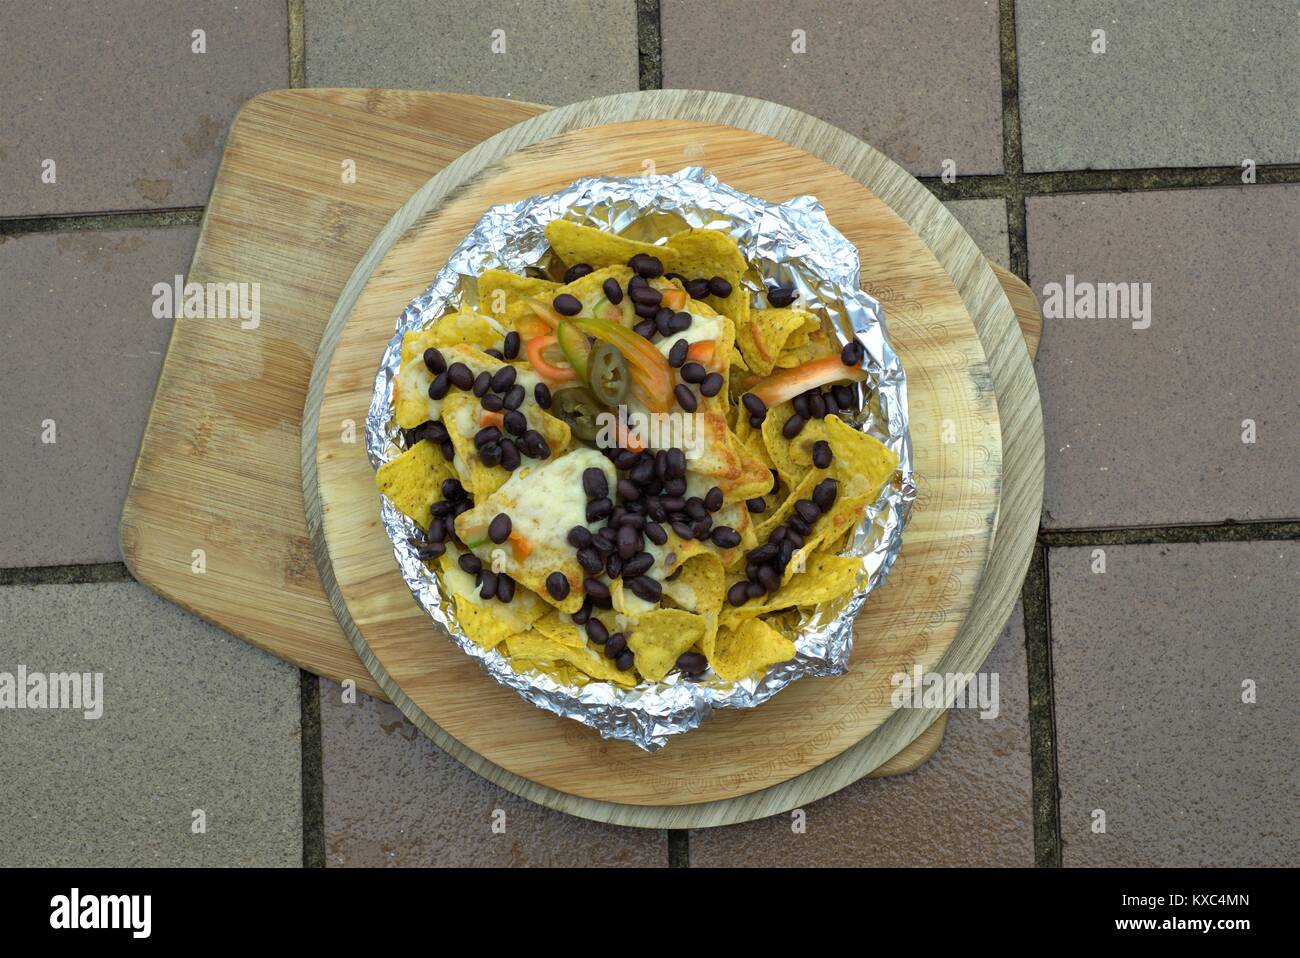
955 436
218 468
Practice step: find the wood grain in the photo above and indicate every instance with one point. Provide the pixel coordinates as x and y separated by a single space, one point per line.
912 619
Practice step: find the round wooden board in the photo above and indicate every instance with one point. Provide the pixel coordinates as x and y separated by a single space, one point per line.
699 783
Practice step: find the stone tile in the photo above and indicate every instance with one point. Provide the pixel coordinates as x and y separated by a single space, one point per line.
1183 83
986 222
1149 662
393 798
1145 426
82 348
115 94
554 52
920 85
970 805
192 719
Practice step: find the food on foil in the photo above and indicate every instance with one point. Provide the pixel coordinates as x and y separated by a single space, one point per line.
627 470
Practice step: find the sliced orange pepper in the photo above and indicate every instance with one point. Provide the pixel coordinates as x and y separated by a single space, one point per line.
488 418
673 298
788 383
536 347
520 546
758 339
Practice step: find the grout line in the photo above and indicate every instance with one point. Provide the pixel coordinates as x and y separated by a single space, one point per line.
134 219
1012 158
313 772
66 574
1223 532
1042 722
649 46
679 848
297 44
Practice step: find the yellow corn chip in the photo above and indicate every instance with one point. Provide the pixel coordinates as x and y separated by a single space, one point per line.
488 623
575 244
751 647
766 334
499 292
659 637
535 646
413 480
698 586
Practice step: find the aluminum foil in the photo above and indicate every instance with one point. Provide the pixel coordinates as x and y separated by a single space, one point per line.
792 243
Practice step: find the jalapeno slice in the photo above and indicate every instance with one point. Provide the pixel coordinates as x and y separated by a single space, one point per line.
579 408
607 374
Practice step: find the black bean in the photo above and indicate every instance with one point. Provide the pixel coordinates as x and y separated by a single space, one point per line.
753 590
816 404
800 404
487 584
624 661
448 450
793 426
613 292
432 550
608 535
648 266
434 361
808 510
515 422
677 355
492 403
769 578
594 483
642 471
713 499
683 529
510 347
756 505
598 509
695 508
452 489
598 591
646 296
777 536
514 397
725 537
496 354
851 354
440 386
614 566
700 528
584 612
799 525
596 631
675 467
499 528
673 503
663 320
633 520
504 378
461 376
755 405
542 393
635 281
756 421
557 585
482 382
719 287
471 563
821 454
738 594
692 663
845 396
615 646
646 588
437 531
824 494
693 373
763 553
776 480
685 398
646 328
697 288
628 490
828 399
639 564
505 587
629 542
590 560
579 537
576 272
488 434
780 296
624 459
655 533
567 305
712 385
680 322
645 311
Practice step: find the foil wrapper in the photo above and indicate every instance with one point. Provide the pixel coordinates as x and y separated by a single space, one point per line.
791 243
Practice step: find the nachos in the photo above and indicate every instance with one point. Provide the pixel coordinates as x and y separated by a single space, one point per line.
626 469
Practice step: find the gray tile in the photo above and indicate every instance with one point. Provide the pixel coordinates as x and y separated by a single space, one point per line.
192 719
81 348
1149 661
114 93
986 222
919 82
393 798
554 52
1181 83
1145 426
969 805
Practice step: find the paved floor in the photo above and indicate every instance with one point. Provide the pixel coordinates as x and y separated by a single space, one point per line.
1147 682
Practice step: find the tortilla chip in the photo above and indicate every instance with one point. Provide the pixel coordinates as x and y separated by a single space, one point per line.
499 292
767 333
453 329
698 586
753 646
413 481
659 637
861 462
488 622
575 244
537 647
